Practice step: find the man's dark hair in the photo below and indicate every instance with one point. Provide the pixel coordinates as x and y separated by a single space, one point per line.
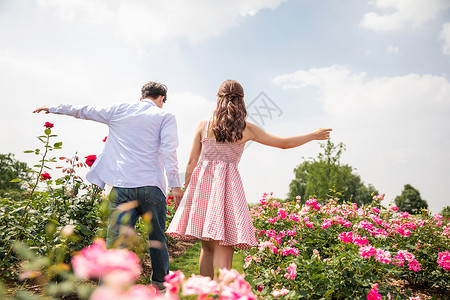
153 90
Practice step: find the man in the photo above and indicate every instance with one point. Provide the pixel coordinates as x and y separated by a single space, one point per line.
141 143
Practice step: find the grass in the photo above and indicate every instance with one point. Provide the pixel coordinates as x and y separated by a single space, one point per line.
188 263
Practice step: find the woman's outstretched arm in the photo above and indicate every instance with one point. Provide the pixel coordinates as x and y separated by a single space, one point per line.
260 136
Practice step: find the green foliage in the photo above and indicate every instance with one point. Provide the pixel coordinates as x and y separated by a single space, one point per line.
49 206
410 200
445 212
53 275
13 174
330 268
325 177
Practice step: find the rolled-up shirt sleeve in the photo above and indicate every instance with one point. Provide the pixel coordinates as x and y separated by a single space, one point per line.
87 112
169 145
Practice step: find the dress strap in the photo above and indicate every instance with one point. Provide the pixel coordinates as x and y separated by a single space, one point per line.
205 130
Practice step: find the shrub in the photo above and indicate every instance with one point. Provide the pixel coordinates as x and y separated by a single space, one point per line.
50 205
339 251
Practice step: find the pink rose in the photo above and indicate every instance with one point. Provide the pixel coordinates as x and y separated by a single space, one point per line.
414 265
444 260
290 251
292 271
199 285
114 266
282 213
404 214
326 223
234 286
437 217
383 256
346 237
136 292
367 251
173 282
360 241
282 292
248 261
373 294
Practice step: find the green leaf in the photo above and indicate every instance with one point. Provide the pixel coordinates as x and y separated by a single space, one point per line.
84 230
15 180
47 131
28 151
54 221
57 145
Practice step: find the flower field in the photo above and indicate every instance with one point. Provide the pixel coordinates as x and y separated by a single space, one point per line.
307 249
341 251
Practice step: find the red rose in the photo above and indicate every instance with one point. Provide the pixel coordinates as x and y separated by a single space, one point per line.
45 176
104 139
90 159
48 125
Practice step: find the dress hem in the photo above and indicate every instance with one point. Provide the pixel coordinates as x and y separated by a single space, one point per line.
240 246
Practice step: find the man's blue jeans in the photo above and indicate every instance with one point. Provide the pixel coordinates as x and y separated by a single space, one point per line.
149 199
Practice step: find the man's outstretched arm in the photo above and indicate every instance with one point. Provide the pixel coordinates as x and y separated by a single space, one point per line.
87 112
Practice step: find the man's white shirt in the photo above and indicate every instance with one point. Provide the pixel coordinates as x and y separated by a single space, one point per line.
142 142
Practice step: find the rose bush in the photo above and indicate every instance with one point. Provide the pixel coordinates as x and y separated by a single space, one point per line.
340 250
50 203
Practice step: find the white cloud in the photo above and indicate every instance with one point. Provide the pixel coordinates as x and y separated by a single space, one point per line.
392 49
153 21
445 36
393 127
402 13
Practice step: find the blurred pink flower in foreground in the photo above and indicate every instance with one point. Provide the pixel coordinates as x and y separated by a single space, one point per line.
199 285
233 286
173 282
136 292
114 266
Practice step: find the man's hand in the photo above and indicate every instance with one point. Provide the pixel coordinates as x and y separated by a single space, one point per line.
42 108
177 195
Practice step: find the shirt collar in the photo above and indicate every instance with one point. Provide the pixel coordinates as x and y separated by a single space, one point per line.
149 101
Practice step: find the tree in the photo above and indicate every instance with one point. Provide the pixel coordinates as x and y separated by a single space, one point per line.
445 212
410 200
10 169
325 177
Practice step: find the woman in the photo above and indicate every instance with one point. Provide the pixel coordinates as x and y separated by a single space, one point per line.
213 208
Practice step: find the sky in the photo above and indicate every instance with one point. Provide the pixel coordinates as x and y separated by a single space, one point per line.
374 71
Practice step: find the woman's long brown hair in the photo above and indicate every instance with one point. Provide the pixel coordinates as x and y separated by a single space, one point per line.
230 114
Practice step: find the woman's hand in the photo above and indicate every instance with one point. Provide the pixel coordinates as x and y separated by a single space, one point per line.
322 133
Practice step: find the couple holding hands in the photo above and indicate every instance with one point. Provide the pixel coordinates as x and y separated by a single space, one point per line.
142 146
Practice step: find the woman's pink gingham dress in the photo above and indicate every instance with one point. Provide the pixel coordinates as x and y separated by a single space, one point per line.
214 206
